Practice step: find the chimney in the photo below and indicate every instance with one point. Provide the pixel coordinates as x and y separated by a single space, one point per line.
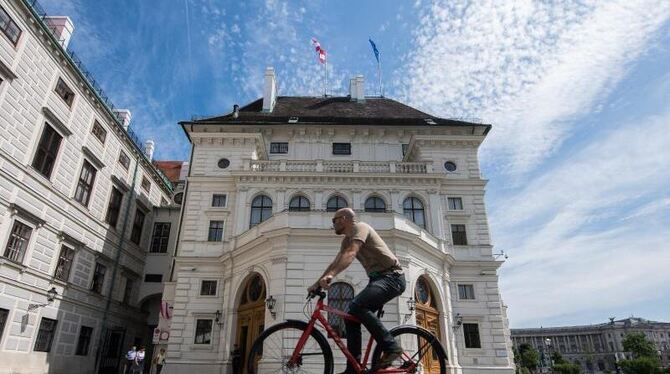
357 89
270 90
62 28
149 149
124 116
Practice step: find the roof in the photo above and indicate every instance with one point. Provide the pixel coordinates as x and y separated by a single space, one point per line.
171 169
332 110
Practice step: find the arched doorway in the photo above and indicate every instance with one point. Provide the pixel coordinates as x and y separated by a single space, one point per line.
250 316
428 317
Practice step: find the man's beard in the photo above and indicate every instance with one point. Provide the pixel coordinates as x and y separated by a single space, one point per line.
339 231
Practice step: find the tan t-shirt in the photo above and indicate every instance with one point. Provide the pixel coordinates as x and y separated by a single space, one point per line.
374 255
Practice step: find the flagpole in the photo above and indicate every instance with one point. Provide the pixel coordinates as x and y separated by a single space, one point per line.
379 74
325 66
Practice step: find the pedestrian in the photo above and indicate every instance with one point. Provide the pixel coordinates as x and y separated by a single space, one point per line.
139 360
130 360
159 360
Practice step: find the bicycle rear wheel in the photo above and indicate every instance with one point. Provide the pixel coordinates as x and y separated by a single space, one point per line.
273 349
423 352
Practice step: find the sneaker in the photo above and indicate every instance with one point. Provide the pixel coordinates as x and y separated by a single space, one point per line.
388 356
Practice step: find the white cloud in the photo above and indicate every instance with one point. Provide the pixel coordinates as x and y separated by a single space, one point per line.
529 68
567 245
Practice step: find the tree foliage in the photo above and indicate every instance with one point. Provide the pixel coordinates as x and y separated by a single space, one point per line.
641 365
527 357
645 356
563 366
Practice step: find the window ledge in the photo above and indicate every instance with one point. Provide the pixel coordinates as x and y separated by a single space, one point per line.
12 264
94 159
57 122
7 71
204 347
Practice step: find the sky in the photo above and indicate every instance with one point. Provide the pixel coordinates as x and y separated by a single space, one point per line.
578 93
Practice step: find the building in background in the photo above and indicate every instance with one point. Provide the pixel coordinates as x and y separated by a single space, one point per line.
79 198
595 348
263 183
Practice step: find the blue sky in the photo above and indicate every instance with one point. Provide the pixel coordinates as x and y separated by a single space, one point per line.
578 94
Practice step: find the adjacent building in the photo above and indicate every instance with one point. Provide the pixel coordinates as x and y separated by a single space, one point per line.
263 183
78 201
595 348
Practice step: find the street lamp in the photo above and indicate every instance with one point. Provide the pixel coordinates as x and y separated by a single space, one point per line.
547 353
51 296
217 318
411 306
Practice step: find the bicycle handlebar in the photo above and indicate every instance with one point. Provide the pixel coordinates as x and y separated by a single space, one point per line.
318 292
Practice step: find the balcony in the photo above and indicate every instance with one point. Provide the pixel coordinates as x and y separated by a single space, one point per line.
326 166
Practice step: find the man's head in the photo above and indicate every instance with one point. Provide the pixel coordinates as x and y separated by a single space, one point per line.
134 348
343 220
162 350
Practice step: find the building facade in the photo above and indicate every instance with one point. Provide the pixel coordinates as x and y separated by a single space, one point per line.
595 348
263 184
78 196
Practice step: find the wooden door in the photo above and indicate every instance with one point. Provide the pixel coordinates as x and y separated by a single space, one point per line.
428 317
250 317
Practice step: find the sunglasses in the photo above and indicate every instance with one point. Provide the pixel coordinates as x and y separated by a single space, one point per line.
336 218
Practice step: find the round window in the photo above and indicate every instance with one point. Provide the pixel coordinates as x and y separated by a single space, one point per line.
178 197
224 163
450 166
422 292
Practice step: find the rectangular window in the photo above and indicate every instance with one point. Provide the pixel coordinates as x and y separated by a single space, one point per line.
4 313
159 241
153 278
18 242
64 264
455 203
278 147
203 331
138 223
9 27
215 231
47 150
458 235
64 92
98 278
219 200
99 132
85 183
84 341
45 335
114 207
341 148
124 160
208 288
466 292
128 291
471 334
146 184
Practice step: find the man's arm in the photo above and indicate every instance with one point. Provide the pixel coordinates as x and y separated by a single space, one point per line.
342 261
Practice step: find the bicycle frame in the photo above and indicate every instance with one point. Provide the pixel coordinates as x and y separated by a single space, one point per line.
359 367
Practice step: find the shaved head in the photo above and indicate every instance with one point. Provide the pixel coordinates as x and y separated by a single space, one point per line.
346 213
343 220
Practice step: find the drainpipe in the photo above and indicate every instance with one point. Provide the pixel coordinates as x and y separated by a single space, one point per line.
117 260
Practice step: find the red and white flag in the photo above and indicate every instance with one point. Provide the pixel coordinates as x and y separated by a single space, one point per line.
319 50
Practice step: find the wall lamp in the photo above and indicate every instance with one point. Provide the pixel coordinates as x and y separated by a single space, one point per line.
51 296
270 304
411 306
217 318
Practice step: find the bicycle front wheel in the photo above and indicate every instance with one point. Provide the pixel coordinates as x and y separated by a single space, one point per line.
273 349
423 352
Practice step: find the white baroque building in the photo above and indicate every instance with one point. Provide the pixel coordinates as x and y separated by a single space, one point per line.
77 203
262 186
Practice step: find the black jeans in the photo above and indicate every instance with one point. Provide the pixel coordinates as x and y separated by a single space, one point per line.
364 306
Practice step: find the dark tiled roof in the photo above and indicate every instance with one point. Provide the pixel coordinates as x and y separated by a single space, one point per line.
332 110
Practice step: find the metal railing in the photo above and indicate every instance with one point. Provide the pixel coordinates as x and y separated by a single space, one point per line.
328 166
74 58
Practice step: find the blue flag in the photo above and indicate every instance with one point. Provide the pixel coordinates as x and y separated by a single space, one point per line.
374 49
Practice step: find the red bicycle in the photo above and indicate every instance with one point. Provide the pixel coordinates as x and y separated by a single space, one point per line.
296 346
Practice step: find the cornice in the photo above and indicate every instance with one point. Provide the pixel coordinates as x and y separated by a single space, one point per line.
221 138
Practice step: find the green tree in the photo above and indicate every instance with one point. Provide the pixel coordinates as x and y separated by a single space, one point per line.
645 357
638 344
527 357
563 366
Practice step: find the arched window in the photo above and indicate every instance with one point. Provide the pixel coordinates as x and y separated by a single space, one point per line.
375 205
413 209
261 209
340 295
298 204
336 202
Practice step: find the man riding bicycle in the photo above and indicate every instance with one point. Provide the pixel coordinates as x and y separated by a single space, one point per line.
387 281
